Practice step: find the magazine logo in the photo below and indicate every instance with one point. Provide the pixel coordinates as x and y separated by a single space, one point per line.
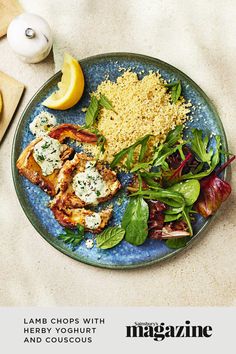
160 331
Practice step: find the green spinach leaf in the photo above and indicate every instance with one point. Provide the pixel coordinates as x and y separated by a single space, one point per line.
130 157
135 221
189 189
93 109
110 237
176 243
118 157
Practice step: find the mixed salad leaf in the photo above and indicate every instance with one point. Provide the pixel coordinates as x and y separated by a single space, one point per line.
179 181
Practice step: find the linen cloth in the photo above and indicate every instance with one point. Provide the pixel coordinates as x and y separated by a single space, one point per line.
198 37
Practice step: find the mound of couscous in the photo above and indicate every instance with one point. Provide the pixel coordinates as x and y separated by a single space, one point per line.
140 107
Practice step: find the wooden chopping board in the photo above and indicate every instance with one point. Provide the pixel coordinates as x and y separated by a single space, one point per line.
8 10
11 91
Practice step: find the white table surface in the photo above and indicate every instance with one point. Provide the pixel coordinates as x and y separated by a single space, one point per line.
33 273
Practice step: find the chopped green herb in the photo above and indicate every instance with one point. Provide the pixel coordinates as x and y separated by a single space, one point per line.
93 109
71 237
104 102
101 143
46 145
41 157
92 112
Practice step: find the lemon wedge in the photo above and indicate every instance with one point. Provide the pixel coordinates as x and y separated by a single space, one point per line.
0 103
70 88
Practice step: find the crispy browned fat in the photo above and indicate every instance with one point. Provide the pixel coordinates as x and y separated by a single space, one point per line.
71 217
72 131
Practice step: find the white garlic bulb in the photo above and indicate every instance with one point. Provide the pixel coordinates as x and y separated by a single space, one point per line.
30 37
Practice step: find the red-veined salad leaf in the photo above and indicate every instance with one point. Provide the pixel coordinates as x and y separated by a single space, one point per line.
160 229
178 172
156 219
214 191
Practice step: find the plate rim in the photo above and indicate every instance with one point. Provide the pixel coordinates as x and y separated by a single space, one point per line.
51 241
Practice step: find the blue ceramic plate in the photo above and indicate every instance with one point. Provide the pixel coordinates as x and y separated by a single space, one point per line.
34 201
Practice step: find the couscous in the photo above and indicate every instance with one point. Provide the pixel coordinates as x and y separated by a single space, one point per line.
140 107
